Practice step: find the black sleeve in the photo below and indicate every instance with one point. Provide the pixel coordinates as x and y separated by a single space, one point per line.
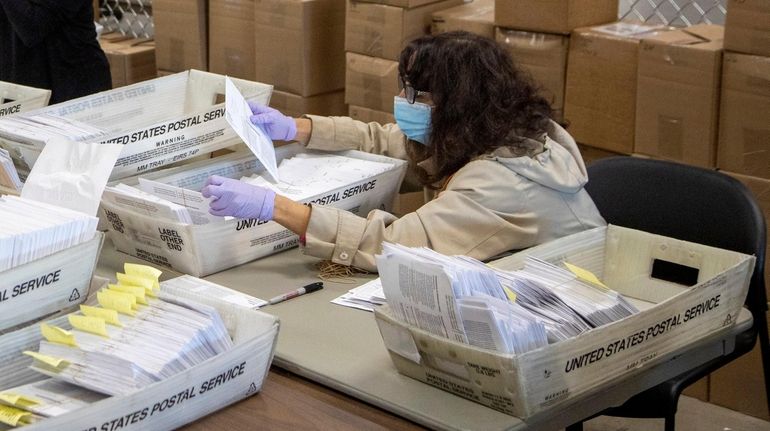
33 20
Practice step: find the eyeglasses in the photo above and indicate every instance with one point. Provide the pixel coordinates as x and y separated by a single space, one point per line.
410 94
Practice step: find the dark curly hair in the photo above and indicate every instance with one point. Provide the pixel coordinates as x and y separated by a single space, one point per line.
482 100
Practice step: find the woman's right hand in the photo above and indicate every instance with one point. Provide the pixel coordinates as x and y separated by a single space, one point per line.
279 127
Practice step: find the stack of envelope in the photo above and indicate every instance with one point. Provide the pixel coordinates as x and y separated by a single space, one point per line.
507 311
33 229
457 298
137 336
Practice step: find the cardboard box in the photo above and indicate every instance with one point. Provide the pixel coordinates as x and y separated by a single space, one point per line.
383 31
162 73
591 154
677 104
131 61
181 34
740 385
554 16
760 188
323 104
49 284
300 45
747 27
544 57
478 17
15 98
254 335
744 115
408 202
371 82
370 115
406 4
204 249
552 376
600 97
231 38
160 121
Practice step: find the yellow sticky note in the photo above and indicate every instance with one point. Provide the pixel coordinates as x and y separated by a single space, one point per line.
121 302
18 400
143 271
58 335
48 360
585 275
137 291
93 325
510 294
13 416
109 316
137 280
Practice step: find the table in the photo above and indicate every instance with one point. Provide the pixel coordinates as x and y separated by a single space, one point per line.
341 348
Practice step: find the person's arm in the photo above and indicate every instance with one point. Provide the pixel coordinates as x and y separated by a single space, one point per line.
304 130
345 133
330 133
32 21
468 218
291 215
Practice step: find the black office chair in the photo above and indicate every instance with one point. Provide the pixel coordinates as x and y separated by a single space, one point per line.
691 204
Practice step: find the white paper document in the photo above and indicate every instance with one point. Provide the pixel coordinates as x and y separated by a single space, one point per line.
237 113
364 297
310 174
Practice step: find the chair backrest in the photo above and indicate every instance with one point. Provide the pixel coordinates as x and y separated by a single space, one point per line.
683 202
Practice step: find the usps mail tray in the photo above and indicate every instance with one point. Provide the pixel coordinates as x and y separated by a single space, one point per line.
15 98
210 386
200 250
671 316
160 121
44 286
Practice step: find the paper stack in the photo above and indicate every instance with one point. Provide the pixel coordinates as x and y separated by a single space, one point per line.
306 175
456 298
32 230
9 177
364 297
507 311
137 337
176 196
209 348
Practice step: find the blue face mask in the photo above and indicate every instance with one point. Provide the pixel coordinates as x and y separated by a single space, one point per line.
413 119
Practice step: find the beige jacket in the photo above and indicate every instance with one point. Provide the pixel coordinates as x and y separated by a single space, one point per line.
494 204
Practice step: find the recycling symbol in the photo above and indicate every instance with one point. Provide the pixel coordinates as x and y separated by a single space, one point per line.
252 389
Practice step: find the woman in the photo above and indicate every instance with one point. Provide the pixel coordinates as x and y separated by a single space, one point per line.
508 177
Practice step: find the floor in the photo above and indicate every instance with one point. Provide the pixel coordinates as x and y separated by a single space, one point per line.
693 415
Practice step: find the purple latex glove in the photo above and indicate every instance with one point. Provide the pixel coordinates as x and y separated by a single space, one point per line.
278 126
238 199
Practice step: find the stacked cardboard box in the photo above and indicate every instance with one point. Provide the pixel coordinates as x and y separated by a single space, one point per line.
677 100
131 60
478 17
231 38
537 36
600 93
181 34
744 151
299 48
375 34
